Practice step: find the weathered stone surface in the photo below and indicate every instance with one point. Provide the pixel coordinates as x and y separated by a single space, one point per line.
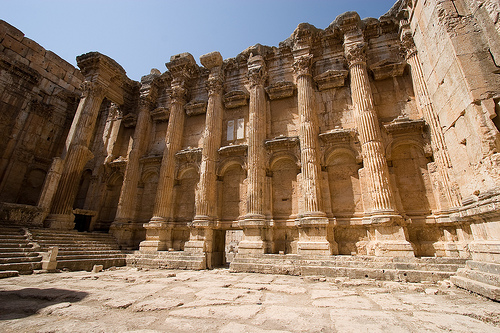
374 137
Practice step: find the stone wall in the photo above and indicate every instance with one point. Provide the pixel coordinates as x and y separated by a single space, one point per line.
369 137
39 95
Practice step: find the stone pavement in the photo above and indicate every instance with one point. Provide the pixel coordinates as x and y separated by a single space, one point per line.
131 300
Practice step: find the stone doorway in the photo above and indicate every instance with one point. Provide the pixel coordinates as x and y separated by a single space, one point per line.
82 222
232 239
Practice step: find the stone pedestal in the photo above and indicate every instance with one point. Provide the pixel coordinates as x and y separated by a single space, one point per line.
314 233
387 238
254 235
158 237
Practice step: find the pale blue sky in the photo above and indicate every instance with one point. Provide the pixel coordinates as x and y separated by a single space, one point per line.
142 34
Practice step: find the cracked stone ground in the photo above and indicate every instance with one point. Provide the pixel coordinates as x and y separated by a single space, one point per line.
131 300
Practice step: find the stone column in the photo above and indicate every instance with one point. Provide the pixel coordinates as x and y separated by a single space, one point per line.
424 103
123 227
254 222
201 229
387 235
159 229
313 223
76 155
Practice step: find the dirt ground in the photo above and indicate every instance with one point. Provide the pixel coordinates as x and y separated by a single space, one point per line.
132 300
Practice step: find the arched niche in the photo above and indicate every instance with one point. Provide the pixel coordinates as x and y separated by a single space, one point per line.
344 183
285 190
147 194
232 191
184 208
110 204
409 165
83 189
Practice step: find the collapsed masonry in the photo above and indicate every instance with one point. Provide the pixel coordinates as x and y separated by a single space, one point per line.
370 137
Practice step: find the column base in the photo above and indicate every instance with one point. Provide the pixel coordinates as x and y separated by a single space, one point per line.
158 237
315 238
125 233
60 221
452 249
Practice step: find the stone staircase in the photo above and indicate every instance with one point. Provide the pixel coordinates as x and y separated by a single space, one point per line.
479 277
17 253
380 268
80 250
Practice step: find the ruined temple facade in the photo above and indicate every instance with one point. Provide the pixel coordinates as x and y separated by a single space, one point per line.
371 137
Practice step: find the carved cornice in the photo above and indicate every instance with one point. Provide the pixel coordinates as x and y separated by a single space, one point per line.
331 79
194 108
233 150
302 65
338 135
355 53
282 143
189 155
403 125
388 68
281 89
129 120
160 114
236 98
151 159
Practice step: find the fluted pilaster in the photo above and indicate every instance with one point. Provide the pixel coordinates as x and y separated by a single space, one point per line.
77 152
206 191
308 136
424 102
127 202
365 116
173 139
256 137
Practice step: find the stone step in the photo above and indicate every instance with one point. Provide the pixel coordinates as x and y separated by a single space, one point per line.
89 252
477 287
6 236
15 249
483 277
92 257
7 274
13 245
20 259
484 267
88 264
17 254
22 268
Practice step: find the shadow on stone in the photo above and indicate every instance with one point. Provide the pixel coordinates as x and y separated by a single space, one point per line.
15 304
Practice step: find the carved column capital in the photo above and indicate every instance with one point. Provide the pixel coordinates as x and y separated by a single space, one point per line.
257 76
302 65
178 94
146 102
355 53
214 85
408 48
89 88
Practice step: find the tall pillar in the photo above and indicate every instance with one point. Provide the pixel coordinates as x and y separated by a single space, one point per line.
254 222
123 227
159 228
201 229
424 103
312 223
388 236
76 156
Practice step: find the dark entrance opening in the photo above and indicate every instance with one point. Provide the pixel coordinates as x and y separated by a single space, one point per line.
219 242
82 222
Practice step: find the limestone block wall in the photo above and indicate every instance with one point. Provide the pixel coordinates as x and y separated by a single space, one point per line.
38 100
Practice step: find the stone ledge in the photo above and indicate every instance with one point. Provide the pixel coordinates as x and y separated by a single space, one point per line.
477 287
